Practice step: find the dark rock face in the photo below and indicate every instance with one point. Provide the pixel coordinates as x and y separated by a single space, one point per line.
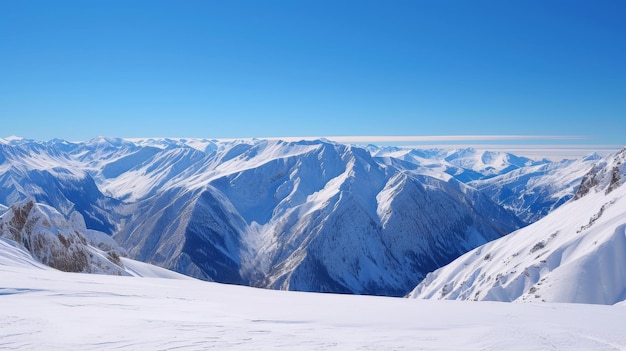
607 175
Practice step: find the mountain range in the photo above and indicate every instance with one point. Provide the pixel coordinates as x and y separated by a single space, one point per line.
309 215
577 253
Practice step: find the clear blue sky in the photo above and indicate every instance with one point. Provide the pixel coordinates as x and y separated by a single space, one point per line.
223 69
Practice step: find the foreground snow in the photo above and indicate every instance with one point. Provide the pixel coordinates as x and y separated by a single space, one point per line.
46 309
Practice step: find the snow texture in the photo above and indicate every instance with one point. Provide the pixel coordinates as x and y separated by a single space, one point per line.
44 309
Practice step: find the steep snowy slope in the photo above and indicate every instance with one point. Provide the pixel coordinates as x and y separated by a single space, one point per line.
575 254
193 232
350 249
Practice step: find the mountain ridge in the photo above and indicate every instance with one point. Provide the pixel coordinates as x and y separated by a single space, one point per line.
307 215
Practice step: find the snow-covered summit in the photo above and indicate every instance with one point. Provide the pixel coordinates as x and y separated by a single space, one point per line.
465 164
11 139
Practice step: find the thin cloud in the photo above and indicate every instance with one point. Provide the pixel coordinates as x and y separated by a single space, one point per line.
553 147
432 138
440 138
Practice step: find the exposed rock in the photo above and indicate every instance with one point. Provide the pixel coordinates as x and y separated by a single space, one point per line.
54 241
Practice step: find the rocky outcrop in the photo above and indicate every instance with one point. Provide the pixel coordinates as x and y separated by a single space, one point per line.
54 241
604 176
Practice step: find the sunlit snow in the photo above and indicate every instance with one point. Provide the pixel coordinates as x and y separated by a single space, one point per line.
43 309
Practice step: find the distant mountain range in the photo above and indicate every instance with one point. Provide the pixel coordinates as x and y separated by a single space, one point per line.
577 253
309 215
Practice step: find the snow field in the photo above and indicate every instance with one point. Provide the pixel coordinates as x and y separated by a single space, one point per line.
51 310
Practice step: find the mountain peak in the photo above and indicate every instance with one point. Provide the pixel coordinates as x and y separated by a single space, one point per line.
606 175
10 139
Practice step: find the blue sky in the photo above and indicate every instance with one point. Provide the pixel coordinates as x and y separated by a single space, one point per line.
230 69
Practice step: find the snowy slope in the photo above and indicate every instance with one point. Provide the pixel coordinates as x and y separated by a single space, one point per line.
15 255
43 309
575 254
145 270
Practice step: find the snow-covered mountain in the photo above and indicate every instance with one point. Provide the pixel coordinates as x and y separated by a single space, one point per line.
47 172
577 253
534 191
312 216
309 215
465 164
529 188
